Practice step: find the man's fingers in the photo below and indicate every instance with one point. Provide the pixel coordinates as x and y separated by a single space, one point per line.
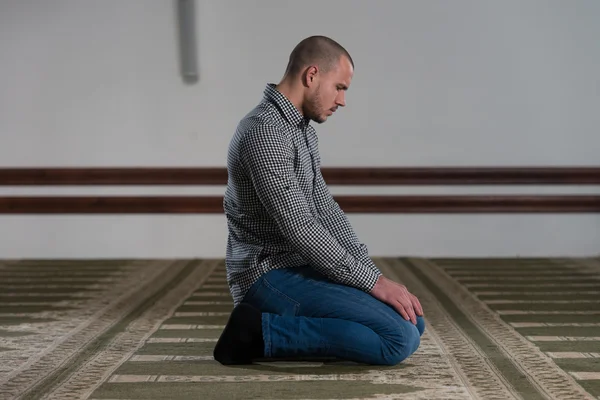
417 305
409 313
400 308
405 303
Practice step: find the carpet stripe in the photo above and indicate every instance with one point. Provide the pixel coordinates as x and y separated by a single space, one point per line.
518 273
198 320
41 275
186 326
178 349
554 324
24 318
564 338
546 312
519 285
42 294
153 358
211 294
208 367
196 333
44 287
211 286
529 301
181 340
202 314
56 279
520 292
550 280
237 378
274 390
582 376
572 354
581 346
39 303
485 267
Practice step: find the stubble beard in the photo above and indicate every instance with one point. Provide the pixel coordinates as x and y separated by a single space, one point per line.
314 109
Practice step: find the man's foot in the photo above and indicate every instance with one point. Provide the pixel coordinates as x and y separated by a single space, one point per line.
241 340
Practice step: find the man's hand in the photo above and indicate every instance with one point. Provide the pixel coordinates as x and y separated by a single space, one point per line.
398 297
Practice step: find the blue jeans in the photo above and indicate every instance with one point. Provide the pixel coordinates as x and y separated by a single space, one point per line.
306 315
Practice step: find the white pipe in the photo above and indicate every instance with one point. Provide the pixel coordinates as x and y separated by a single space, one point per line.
187 40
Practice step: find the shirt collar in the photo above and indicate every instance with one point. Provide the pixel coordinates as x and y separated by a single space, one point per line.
289 110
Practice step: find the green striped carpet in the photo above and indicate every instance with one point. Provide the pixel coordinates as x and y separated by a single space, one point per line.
145 329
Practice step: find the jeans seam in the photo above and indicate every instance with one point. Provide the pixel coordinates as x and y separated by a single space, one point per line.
295 304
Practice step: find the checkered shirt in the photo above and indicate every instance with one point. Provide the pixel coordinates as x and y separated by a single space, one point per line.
279 210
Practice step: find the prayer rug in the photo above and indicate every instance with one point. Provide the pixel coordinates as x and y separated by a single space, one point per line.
517 328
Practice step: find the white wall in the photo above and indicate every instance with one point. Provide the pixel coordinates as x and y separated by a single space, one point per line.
96 83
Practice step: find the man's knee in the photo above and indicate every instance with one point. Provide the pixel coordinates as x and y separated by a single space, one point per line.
405 342
421 325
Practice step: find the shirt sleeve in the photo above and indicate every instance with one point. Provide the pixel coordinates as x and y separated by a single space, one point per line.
268 157
335 220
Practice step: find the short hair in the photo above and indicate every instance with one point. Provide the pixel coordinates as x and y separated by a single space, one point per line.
320 50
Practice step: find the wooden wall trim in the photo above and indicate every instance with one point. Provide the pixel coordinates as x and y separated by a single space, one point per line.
462 175
350 204
333 175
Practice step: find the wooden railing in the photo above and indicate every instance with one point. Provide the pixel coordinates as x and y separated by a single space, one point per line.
333 176
505 203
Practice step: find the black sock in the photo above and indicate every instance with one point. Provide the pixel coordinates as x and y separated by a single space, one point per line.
241 340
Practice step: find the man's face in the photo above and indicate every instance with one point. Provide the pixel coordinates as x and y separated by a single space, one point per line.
328 91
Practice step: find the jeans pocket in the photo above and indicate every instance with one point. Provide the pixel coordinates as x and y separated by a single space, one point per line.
269 299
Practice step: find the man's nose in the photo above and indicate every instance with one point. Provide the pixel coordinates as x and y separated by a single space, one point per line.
340 100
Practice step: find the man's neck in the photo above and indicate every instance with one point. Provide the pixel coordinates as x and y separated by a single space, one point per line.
291 91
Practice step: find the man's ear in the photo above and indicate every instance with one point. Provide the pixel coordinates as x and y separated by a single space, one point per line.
311 74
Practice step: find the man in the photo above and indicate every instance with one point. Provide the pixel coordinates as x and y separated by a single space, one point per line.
303 285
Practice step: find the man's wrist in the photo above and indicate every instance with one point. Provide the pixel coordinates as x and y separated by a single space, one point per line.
378 283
